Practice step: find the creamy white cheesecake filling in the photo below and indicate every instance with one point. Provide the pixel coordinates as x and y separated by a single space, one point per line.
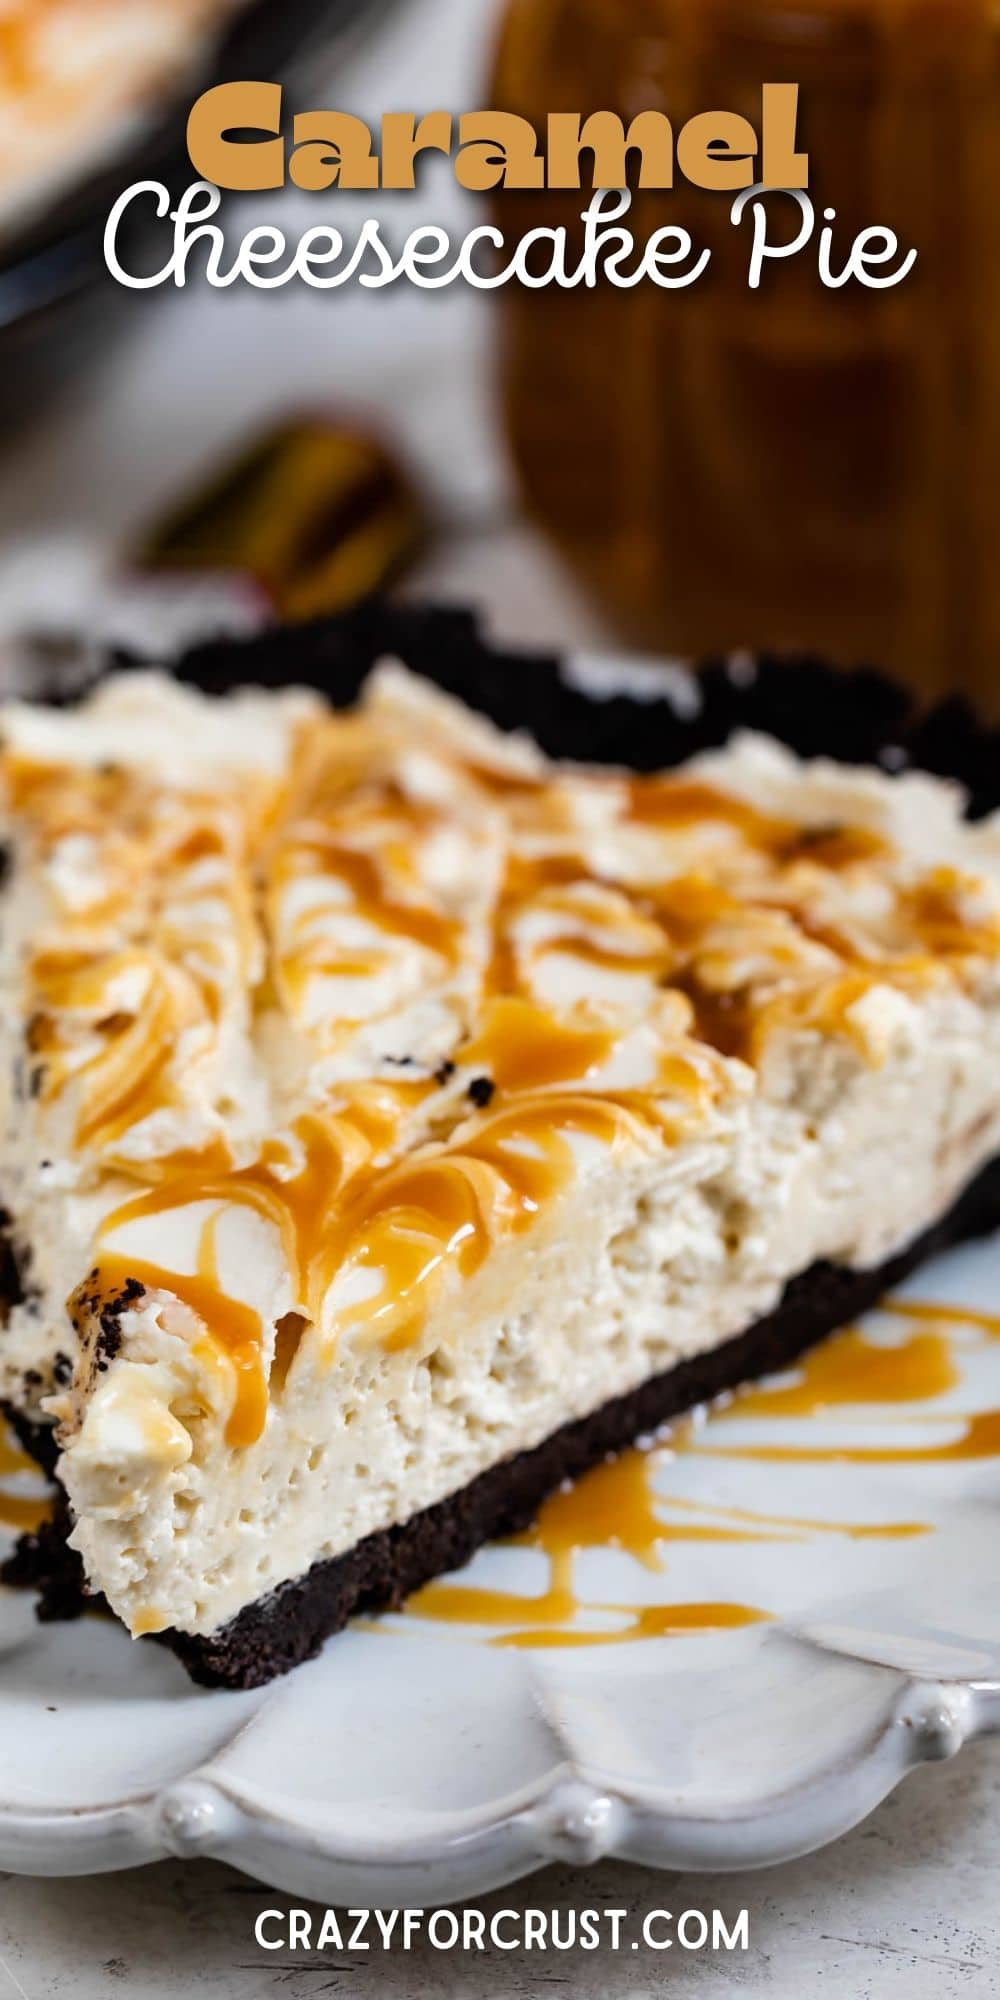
645 1262
60 879
402 1095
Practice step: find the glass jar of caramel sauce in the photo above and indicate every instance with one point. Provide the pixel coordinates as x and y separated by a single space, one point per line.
797 466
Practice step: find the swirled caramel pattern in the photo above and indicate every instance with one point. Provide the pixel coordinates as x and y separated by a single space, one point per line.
438 975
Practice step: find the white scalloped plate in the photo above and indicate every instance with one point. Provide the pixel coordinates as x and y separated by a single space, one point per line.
420 1762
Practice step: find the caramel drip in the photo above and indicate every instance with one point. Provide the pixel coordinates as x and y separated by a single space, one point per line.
370 900
752 898
432 1217
615 1506
526 1047
501 783
23 1512
17 70
741 1022
547 1620
826 1005
849 1369
234 1326
132 1080
676 804
141 933
294 1187
933 909
210 1162
526 878
721 1020
612 1506
781 1527
58 799
649 1621
127 1078
938 1315
835 847
673 803
12 1458
442 1212
604 957
687 905
297 1181
532 875
464 1604
980 1439
354 829
610 928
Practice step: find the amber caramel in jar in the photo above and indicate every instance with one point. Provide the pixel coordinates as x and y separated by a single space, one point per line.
794 466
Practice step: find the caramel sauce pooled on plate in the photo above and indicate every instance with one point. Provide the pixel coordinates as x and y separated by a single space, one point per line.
615 1505
936 1314
21 1511
850 1370
980 1439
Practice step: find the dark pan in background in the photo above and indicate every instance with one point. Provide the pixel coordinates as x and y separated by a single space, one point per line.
50 268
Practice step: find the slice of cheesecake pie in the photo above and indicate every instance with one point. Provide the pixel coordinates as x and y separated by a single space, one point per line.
396 1119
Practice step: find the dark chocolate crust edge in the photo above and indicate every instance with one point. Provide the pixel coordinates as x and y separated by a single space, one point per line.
290 1625
859 716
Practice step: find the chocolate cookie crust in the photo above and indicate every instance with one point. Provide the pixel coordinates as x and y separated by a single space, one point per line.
817 710
290 1625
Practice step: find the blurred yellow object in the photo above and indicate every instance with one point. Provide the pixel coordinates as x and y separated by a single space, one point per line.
793 466
320 515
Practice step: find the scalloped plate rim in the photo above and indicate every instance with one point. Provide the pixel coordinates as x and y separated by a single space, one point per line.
573 1813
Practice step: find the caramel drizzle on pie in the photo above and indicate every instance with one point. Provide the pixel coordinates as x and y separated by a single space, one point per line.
191 929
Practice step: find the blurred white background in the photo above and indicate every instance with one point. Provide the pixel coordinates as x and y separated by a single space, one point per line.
186 377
